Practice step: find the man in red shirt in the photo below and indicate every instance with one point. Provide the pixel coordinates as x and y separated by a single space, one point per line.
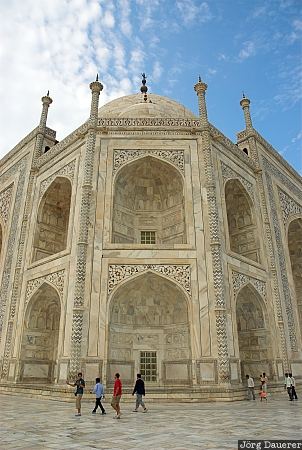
117 393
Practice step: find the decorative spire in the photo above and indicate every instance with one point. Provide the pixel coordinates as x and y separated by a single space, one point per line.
245 105
144 88
96 87
200 88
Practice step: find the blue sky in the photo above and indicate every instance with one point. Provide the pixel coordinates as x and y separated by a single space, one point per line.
234 45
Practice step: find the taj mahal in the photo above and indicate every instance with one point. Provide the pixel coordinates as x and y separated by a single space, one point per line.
147 241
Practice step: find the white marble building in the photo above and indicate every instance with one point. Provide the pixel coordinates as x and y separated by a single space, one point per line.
146 241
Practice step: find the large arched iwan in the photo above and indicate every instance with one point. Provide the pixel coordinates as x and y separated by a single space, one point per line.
148 204
149 331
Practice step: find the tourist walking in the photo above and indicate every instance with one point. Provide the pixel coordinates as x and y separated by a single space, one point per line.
288 386
293 381
79 384
116 398
98 390
251 388
139 390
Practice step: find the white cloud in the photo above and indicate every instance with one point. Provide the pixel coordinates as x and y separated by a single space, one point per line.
260 11
124 7
60 45
247 50
297 24
289 89
108 19
297 138
192 11
212 71
157 71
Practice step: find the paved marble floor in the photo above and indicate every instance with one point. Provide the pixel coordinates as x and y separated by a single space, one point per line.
32 424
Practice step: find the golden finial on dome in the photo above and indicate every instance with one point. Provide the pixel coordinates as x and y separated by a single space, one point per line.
144 88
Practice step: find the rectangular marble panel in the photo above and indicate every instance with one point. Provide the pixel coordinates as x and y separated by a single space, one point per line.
11 372
35 370
176 371
207 371
63 371
126 371
296 369
280 370
92 371
234 371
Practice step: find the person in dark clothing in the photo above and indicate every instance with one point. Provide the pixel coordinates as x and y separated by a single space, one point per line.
79 384
293 382
139 390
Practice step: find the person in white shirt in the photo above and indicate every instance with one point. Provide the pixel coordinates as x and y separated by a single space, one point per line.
294 393
251 388
288 386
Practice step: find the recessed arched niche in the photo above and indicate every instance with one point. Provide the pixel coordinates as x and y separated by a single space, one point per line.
243 233
254 337
148 205
39 350
53 219
295 253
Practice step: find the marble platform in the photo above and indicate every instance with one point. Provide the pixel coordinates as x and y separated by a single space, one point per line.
32 424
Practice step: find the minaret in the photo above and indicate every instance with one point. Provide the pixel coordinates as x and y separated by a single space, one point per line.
46 101
245 104
96 87
209 174
83 241
200 89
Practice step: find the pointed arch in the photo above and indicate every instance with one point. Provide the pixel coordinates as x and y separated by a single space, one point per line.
149 314
243 233
294 241
253 331
39 348
148 203
113 289
53 219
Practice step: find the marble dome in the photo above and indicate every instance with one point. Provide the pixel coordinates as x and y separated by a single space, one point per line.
132 106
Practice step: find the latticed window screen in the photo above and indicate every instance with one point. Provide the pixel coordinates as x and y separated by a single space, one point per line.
147 237
148 366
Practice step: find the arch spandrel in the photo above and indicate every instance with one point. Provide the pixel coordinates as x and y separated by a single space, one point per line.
122 273
55 280
127 156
